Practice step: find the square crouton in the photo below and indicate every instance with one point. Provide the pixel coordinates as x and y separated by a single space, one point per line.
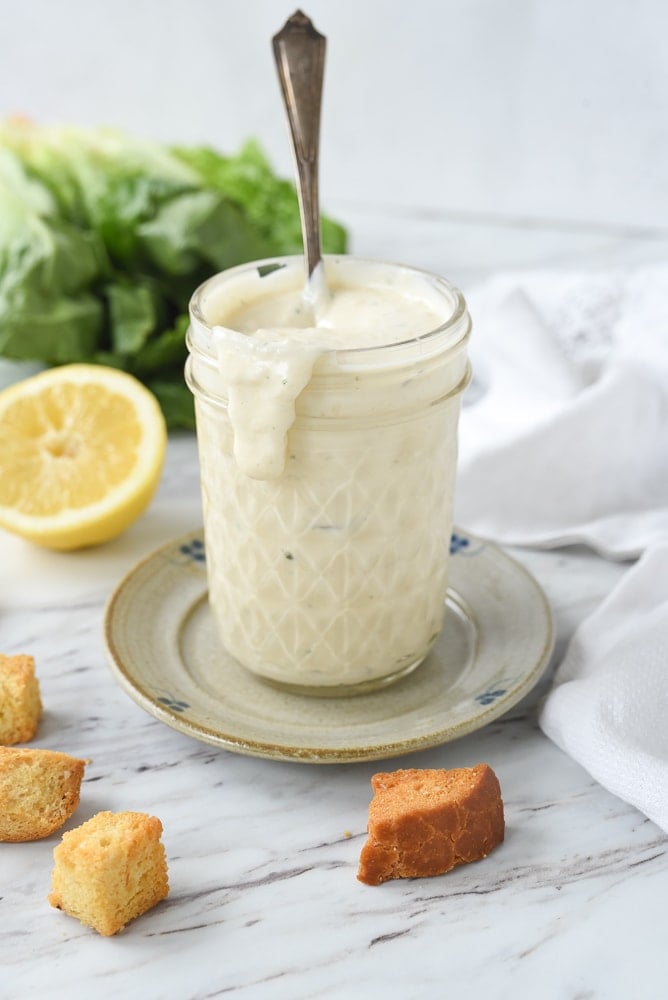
110 870
20 703
424 822
39 791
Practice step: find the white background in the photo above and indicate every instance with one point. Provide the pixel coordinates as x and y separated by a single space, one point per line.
546 110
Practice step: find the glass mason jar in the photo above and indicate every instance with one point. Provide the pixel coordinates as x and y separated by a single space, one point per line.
328 573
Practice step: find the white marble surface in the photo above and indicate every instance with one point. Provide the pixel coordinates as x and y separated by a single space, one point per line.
262 855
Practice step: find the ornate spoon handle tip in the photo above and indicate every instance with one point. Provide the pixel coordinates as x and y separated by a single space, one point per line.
299 51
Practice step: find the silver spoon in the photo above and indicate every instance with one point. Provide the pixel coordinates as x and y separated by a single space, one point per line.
299 52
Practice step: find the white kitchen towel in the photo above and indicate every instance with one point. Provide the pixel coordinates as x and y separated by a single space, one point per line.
608 705
564 438
567 427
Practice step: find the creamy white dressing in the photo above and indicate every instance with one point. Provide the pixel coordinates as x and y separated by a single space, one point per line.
350 317
327 471
263 379
282 335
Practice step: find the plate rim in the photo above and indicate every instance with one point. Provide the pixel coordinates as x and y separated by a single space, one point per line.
325 755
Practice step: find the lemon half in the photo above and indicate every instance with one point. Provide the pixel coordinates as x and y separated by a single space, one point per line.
81 452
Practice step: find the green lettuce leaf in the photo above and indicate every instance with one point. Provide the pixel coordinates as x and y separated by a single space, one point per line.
199 229
133 314
270 202
46 270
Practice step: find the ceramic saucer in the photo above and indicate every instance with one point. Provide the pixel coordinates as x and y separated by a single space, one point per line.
165 653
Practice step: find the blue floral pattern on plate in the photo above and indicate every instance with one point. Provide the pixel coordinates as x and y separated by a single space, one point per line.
464 545
489 697
458 543
194 549
176 704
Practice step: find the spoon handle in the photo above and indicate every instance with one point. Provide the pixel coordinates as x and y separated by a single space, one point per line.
299 51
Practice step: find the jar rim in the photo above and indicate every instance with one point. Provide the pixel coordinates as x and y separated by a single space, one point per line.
457 323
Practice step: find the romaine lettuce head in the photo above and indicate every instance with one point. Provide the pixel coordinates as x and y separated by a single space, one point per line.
104 237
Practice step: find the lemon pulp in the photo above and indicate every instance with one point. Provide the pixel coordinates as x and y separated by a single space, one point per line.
81 452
